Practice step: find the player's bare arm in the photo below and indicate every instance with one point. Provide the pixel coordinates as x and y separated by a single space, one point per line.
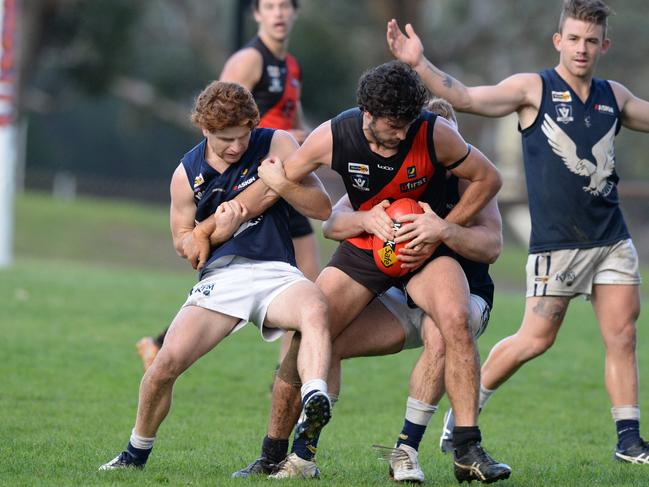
347 223
307 196
182 214
314 152
483 177
513 94
635 111
243 67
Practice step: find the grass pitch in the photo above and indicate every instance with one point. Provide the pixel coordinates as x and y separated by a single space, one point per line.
69 377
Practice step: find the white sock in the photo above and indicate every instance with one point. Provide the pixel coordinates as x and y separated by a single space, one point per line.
419 412
313 385
625 412
140 442
484 396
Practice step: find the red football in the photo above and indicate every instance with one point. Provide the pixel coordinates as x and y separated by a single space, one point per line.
385 253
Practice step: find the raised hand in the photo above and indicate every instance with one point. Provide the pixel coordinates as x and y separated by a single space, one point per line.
405 47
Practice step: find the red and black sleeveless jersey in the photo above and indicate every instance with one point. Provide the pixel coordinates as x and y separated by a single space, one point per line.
413 172
278 91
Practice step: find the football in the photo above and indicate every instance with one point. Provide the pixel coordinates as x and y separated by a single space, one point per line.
385 253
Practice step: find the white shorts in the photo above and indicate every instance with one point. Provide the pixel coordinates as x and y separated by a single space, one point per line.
411 318
244 289
571 272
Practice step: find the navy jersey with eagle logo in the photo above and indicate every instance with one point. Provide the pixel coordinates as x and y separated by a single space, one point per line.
265 237
412 172
569 155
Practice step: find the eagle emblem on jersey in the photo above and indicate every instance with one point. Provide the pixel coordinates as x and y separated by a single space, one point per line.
603 151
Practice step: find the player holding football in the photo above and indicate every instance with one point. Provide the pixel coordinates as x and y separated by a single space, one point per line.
388 325
207 187
579 242
265 67
389 148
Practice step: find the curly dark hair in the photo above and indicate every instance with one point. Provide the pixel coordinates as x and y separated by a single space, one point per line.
221 105
392 90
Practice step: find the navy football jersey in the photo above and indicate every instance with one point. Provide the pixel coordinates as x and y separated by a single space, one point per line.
265 237
477 273
569 155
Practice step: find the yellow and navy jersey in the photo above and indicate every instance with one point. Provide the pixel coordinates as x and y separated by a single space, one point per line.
265 237
569 154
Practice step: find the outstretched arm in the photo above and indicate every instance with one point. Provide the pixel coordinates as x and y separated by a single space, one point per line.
508 96
635 111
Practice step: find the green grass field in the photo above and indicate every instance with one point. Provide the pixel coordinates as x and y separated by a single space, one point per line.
70 315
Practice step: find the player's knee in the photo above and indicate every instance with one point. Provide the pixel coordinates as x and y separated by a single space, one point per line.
623 338
454 326
538 346
434 347
315 315
166 368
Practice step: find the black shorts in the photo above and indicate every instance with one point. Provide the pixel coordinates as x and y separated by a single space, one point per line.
360 266
298 224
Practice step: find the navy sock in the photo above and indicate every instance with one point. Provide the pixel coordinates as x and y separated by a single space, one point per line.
274 449
140 456
306 449
411 434
628 433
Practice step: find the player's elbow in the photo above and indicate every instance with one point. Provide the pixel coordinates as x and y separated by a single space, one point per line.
494 250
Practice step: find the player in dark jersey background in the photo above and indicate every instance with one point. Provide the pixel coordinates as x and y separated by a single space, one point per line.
272 74
579 242
265 67
388 149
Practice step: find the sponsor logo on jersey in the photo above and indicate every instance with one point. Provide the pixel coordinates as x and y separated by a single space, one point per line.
411 171
541 279
604 109
274 73
198 180
362 182
247 182
385 168
243 173
412 185
354 168
564 113
561 96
